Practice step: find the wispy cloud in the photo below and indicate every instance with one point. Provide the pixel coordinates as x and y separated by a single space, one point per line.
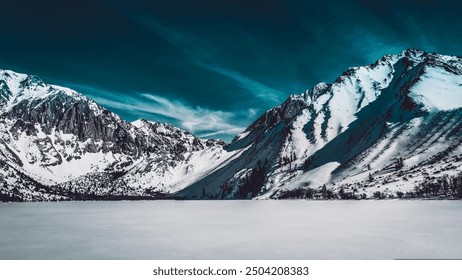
231 132
258 89
193 119
202 53
371 46
202 121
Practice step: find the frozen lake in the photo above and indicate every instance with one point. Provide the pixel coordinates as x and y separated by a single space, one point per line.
232 230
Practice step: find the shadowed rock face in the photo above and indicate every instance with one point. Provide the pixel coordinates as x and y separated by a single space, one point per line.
361 123
74 114
404 108
5 93
45 126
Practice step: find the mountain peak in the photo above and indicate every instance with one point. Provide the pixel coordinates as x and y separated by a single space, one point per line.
32 81
365 119
402 112
413 52
139 123
54 136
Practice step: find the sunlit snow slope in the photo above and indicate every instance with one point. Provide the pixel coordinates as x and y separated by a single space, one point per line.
376 131
56 143
351 133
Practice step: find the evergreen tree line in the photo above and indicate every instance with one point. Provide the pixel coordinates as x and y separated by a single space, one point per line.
253 182
446 186
322 193
287 159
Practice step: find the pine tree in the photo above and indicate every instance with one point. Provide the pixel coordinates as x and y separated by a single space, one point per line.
399 163
370 179
324 191
203 192
308 163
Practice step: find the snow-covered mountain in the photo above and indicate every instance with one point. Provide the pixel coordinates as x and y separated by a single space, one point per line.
56 143
381 128
376 131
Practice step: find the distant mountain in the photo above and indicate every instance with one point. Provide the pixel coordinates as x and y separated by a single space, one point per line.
378 131
57 144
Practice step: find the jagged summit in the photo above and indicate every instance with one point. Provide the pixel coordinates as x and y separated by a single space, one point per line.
360 123
376 131
368 81
56 137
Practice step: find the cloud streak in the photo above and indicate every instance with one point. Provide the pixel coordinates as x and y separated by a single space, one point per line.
212 68
201 52
201 121
193 119
259 90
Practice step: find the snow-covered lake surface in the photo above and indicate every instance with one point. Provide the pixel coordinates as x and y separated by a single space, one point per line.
232 230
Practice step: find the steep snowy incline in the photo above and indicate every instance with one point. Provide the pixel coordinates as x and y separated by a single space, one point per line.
376 131
53 135
360 124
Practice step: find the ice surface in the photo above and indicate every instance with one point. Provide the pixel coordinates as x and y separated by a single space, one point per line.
232 230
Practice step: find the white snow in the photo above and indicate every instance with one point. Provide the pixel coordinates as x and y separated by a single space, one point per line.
138 123
439 90
315 177
172 178
242 135
299 142
332 109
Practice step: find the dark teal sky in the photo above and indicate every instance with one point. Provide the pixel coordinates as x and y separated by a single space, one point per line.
212 67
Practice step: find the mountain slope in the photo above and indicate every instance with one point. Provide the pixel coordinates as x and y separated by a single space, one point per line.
376 131
57 138
351 134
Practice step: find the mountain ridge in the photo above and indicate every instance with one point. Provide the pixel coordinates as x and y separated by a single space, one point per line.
344 137
52 136
310 123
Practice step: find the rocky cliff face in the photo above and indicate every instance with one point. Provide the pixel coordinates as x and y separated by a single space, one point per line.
351 133
55 136
376 131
